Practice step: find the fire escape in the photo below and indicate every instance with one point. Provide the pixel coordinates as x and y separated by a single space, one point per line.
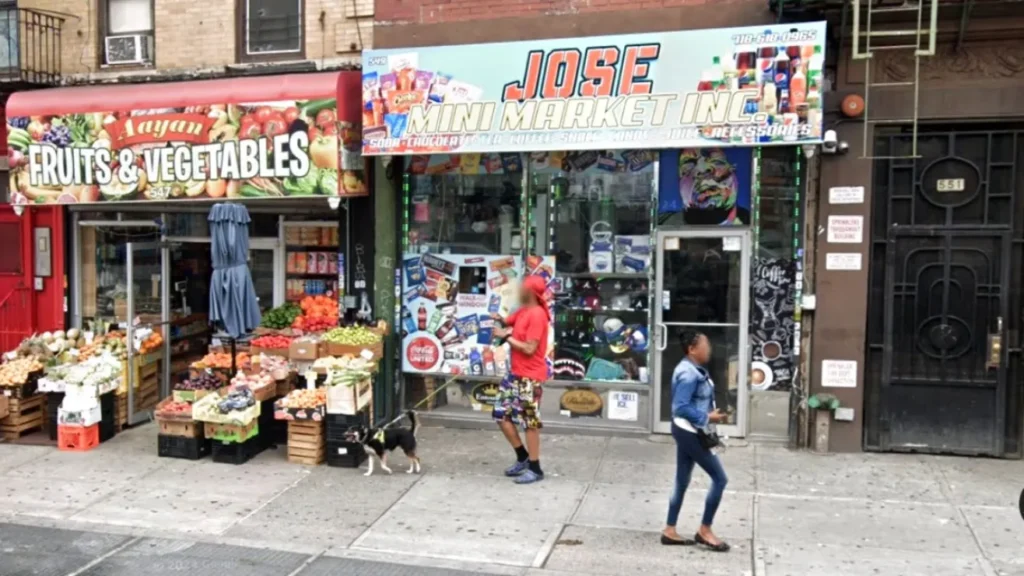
30 48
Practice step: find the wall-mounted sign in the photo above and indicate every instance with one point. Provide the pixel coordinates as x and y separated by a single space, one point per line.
580 402
843 261
845 229
714 87
623 406
839 373
846 195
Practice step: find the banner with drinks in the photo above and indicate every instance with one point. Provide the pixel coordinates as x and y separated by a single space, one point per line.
718 87
447 305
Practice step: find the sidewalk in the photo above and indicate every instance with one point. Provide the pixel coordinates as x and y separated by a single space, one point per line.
599 511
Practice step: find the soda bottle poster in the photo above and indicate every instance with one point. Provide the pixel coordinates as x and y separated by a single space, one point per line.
447 305
710 186
748 86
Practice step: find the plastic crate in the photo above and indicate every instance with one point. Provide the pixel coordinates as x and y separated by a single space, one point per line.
339 424
182 447
78 438
237 452
53 400
345 454
108 414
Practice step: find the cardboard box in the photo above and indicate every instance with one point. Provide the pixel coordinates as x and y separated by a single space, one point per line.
4 407
342 349
349 400
304 350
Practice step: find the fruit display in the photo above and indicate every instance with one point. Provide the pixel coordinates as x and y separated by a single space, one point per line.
353 336
304 399
151 343
102 373
202 381
274 365
318 313
271 342
349 377
16 372
171 410
281 317
222 361
254 382
237 407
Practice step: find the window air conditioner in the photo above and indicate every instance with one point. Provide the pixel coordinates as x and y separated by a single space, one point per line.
130 49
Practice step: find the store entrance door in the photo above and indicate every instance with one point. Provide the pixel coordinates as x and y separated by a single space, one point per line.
702 284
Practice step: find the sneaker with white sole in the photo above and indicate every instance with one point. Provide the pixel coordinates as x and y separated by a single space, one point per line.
517 469
529 477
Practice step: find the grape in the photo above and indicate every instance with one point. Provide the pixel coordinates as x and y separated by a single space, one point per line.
58 135
19 122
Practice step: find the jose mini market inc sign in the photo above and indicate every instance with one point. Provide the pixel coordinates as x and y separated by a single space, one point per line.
731 87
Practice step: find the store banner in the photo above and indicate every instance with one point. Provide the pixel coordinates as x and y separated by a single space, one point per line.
280 149
717 87
447 305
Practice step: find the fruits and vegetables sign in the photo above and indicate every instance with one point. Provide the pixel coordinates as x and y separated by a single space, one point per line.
283 149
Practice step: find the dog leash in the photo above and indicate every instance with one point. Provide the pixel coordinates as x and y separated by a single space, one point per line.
396 419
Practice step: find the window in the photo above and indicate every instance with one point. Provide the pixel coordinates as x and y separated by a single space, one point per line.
10 256
271 29
127 27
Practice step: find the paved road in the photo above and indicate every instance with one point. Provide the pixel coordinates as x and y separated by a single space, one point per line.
35 551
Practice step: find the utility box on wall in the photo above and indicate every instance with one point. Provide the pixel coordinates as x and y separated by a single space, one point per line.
42 253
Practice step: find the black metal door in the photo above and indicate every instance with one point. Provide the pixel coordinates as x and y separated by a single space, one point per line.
943 363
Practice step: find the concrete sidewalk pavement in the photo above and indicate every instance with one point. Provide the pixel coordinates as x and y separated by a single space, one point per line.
598 512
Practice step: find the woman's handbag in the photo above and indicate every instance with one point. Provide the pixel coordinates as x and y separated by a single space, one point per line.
708 440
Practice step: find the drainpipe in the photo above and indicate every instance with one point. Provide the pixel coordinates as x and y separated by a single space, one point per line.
799 415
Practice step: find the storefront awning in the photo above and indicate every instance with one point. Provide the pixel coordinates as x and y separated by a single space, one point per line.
257 137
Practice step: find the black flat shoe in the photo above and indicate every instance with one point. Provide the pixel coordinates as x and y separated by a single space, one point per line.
674 542
720 547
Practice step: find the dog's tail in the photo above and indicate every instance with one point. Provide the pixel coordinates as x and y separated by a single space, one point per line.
415 421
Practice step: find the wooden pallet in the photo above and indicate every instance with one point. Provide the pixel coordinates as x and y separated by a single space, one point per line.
25 415
306 442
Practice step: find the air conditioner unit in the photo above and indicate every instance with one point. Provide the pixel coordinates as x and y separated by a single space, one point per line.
130 49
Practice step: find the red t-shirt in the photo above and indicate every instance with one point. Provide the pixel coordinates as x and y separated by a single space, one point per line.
530 323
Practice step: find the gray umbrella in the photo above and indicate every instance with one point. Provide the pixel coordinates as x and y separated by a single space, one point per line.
232 296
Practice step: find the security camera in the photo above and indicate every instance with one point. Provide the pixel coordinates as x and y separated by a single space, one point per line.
830 143
843 147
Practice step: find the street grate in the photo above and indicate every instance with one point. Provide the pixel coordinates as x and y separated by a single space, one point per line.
325 566
28 550
159 557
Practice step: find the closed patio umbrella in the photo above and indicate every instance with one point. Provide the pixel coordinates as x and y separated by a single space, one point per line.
233 305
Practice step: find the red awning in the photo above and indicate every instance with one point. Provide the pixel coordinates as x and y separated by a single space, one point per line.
173 94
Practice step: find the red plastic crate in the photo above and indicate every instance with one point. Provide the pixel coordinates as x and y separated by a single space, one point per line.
78 438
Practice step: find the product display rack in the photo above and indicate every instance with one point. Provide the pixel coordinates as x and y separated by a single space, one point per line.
311 253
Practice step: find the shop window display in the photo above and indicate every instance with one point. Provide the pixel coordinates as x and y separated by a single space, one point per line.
594 209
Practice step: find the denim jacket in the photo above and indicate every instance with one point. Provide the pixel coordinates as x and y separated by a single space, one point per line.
693 393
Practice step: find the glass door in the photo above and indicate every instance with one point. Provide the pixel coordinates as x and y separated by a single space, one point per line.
702 285
145 295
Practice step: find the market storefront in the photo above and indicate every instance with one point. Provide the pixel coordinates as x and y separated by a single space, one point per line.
139 167
654 190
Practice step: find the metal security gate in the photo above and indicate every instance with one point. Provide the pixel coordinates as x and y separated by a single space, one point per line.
943 361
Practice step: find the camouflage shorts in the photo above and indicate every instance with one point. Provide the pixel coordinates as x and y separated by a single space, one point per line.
519 402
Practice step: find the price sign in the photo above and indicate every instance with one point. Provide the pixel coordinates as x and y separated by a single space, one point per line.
310 379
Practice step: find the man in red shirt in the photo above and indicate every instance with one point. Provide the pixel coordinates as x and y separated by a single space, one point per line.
519 396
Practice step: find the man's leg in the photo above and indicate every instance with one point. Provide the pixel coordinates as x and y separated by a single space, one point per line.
505 414
531 397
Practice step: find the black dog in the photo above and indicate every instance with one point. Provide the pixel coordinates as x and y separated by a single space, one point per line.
378 442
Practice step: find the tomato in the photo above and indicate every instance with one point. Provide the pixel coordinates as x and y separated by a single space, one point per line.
330 130
250 129
263 113
275 125
291 114
314 133
325 117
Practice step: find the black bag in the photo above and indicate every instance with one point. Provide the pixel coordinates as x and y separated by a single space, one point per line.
708 440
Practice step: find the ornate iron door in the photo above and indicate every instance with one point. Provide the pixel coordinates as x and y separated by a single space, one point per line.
945 313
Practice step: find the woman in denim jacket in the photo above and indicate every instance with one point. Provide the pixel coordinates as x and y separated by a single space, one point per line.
693 399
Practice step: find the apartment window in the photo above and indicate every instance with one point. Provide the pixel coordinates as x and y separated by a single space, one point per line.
271 29
127 32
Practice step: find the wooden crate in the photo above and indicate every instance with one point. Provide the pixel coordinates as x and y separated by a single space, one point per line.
4 407
25 415
182 428
306 442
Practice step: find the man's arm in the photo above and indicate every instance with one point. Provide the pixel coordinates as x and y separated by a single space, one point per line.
534 332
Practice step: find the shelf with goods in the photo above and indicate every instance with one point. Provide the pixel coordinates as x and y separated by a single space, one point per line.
311 260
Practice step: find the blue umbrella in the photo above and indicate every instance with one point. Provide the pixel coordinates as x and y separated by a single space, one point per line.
233 302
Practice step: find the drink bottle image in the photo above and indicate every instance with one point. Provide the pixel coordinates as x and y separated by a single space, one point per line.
784 102
476 365
421 317
769 102
716 73
766 63
488 362
730 75
706 83
407 321
782 70
798 89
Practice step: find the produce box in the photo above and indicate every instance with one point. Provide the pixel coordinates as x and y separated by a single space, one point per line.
306 442
182 447
223 374
375 350
236 452
345 454
86 417
206 410
349 400
166 411
4 407
185 429
282 352
304 350
24 416
281 413
190 395
228 433
25 390
49 385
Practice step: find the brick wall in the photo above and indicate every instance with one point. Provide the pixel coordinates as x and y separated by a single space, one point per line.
402 23
201 34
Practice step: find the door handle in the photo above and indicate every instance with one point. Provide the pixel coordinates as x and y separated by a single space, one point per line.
663 337
995 346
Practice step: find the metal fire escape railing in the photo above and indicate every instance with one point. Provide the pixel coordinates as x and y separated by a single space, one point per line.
30 46
923 46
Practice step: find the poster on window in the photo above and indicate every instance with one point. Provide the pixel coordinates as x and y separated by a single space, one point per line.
709 186
447 305
466 164
773 331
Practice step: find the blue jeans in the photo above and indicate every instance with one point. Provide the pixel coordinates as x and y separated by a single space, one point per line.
690 452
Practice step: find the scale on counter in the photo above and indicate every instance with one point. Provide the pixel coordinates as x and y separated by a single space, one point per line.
181 287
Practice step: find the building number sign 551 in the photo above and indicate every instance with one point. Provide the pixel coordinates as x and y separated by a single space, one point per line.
949 185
